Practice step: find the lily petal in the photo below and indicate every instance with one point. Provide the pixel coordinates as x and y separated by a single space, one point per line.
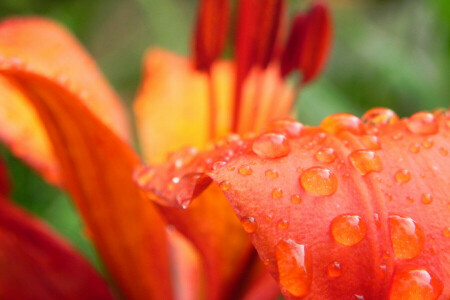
46 48
96 166
37 265
331 207
4 181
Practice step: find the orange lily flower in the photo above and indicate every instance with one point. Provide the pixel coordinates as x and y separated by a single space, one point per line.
60 116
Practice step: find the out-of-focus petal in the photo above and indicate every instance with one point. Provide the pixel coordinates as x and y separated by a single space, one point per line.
4 180
96 166
35 264
328 208
47 49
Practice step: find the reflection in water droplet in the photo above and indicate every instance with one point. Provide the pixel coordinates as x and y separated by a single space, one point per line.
271 145
294 264
277 193
341 122
407 237
422 123
415 284
296 199
402 176
348 230
271 174
334 269
427 199
245 170
377 117
319 181
325 155
365 161
249 224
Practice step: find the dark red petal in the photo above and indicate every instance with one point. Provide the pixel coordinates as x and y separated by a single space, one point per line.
37 265
211 32
4 180
344 206
290 56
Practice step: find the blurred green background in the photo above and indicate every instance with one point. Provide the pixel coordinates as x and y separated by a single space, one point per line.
386 53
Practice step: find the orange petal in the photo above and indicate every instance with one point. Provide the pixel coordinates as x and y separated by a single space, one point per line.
61 58
96 166
37 265
210 32
341 206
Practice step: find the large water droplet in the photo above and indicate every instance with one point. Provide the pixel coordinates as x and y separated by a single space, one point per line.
348 230
365 161
249 224
407 237
341 122
245 170
402 176
326 155
415 284
288 127
377 117
294 264
334 270
271 145
422 123
319 181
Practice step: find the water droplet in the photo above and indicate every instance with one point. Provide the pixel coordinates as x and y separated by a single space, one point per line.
383 271
397 136
277 193
422 123
334 270
409 199
341 122
294 264
415 284
288 127
283 224
358 297
446 232
365 161
407 237
348 230
271 174
296 199
326 155
402 176
271 145
443 151
388 196
427 199
225 185
427 143
245 170
371 142
414 148
319 181
218 164
249 224
377 117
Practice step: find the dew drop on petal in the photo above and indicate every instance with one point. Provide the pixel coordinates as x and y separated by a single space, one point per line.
283 224
319 181
371 142
365 161
326 155
415 284
249 224
402 176
408 239
225 185
294 264
427 199
422 123
296 199
277 193
427 143
288 127
245 170
443 151
446 232
341 122
414 148
271 145
348 230
334 270
271 174
377 117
